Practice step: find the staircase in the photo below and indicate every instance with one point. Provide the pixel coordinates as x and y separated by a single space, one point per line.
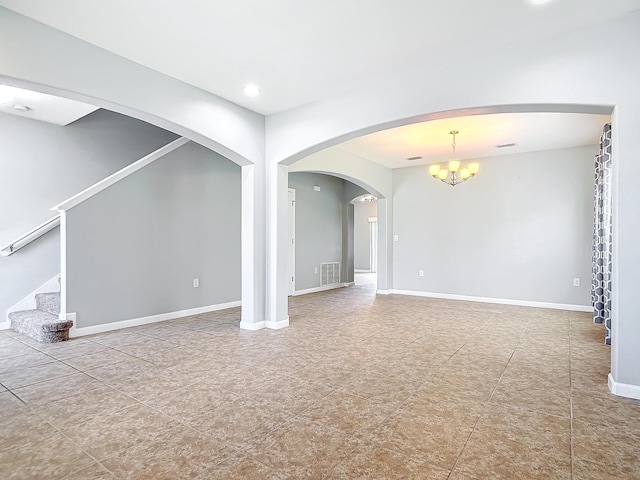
42 324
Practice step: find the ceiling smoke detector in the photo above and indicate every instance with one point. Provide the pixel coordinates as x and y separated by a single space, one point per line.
21 108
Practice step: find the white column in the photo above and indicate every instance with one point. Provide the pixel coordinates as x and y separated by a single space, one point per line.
277 300
385 246
253 248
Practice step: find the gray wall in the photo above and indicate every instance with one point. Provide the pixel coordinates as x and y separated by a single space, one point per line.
44 164
520 230
134 248
363 210
322 223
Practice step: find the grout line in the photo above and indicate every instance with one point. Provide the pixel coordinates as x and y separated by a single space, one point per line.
487 402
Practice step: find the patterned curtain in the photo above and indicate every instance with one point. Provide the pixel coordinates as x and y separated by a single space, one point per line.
601 251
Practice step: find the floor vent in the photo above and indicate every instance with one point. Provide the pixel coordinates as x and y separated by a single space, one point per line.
329 273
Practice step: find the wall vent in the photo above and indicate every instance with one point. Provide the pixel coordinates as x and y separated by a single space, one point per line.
414 158
329 273
505 145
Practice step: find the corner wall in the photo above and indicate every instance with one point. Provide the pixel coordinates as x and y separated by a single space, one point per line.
520 230
43 164
134 249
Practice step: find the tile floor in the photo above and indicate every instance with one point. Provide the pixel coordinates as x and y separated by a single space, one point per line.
358 386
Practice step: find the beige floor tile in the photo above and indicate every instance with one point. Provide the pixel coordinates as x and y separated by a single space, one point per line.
371 461
22 428
56 389
36 374
10 404
358 386
607 445
50 458
104 435
351 414
496 457
585 470
25 360
175 454
240 423
93 472
437 439
83 406
104 357
519 392
304 449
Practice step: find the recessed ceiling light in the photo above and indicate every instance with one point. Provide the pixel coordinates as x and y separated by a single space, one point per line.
251 91
21 108
538 2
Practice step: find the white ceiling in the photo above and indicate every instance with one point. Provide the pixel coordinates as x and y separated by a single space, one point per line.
301 51
40 106
478 137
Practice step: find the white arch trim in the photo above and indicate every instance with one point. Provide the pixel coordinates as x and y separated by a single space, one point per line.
40 58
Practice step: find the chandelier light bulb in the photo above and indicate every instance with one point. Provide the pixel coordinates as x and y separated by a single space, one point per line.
454 175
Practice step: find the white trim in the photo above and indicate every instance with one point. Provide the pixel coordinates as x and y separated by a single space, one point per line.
623 389
384 292
500 301
65 317
29 302
119 175
135 322
33 234
5 325
252 326
291 222
348 284
359 270
277 325
319 289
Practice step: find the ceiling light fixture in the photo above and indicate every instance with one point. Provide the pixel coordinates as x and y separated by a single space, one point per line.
251 91
451 176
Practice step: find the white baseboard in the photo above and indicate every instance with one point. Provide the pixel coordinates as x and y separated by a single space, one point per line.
5 325
623 389
499 301
252 326
384 292
319 289
349 284
358 270
275 325
135 322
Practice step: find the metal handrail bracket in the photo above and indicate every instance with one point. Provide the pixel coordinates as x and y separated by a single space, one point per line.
30 236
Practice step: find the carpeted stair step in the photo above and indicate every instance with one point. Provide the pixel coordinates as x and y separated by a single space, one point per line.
40 325
48 302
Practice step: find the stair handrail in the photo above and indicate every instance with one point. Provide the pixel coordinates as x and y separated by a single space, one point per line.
30 236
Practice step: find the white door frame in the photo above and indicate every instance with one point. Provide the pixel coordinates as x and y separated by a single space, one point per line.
291 207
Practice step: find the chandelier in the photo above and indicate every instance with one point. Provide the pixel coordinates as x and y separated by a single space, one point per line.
454 175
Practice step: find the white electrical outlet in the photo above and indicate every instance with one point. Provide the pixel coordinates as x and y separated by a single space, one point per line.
421 273
395 238
576 282
196 282
315 270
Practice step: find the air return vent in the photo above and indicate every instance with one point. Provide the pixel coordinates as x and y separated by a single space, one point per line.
329 273
414 158
506 145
